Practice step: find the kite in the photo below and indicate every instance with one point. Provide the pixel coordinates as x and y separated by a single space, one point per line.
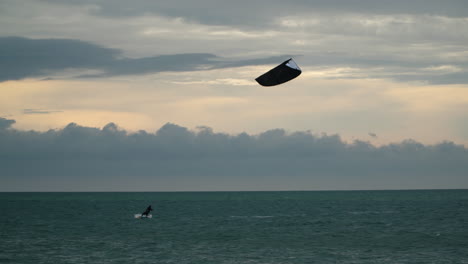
282 73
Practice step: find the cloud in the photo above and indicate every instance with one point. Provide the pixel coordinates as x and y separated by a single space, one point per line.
262 12
67 58
39 111
6 123
202 159
25 58
396 40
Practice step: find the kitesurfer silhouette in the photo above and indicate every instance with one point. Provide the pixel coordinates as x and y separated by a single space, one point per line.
147 211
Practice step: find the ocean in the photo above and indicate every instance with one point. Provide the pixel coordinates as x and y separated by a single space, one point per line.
423 226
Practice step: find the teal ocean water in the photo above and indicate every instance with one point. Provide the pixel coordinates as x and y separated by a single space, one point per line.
236 227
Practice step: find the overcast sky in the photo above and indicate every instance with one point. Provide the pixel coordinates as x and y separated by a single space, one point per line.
386 74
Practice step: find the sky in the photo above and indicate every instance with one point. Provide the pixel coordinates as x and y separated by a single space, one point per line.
112 95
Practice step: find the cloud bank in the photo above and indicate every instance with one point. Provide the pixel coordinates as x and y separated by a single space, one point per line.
176 158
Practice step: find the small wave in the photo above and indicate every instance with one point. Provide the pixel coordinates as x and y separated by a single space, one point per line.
251 216
371 212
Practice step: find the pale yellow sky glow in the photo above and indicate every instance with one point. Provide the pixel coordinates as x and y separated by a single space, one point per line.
228 101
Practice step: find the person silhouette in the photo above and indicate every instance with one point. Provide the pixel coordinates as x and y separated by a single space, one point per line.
147 211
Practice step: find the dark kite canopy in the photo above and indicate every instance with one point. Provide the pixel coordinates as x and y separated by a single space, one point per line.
282 73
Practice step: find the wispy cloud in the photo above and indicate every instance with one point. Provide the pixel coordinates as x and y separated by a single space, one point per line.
261 12
47 57
39 111
66 58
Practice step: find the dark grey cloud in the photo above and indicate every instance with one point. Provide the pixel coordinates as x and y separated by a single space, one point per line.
23 57
257 13
114 159
6 123
47 58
